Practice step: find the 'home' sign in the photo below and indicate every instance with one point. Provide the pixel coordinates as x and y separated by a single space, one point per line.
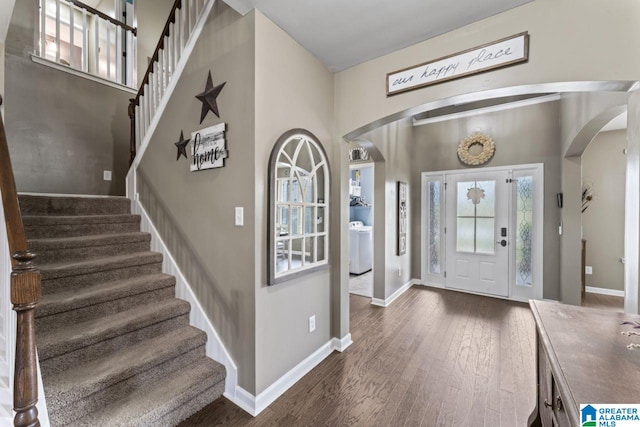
498 54
208 148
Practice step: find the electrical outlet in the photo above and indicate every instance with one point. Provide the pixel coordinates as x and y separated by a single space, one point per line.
106 175
312 323
588 269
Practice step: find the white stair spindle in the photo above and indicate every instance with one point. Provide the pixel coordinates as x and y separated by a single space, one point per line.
96 26
138 118
57 30
160 75
85 48
119 55
43 32
72 34
108 45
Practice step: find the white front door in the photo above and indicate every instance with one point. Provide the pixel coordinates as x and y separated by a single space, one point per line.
477 232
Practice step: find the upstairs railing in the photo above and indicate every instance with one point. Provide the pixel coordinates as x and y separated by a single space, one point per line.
25 293
162 67
77 35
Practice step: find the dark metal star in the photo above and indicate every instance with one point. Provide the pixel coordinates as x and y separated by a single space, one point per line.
208 98
182 146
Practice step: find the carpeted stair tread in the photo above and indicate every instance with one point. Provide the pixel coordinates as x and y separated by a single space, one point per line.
66 269
84 334
69 386
100 293
72 205
51 243
41 220
159 404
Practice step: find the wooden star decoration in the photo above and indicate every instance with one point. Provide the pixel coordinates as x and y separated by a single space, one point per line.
182 146
208 98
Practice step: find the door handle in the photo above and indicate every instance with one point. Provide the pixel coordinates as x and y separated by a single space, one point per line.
502 243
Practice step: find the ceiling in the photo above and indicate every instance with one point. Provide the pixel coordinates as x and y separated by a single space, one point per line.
342 33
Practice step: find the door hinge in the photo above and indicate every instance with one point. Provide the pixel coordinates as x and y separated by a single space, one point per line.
445 274
509 180
124 54
445 185
445 230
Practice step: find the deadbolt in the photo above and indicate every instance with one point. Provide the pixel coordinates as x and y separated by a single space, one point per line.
503 243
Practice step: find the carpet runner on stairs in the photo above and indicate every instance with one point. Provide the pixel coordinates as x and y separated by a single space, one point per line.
114 344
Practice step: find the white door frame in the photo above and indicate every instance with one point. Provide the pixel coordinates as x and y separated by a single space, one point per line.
518 293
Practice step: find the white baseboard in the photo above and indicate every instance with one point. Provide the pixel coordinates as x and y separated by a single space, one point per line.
256 404
604 291
385 302
341 344
215 348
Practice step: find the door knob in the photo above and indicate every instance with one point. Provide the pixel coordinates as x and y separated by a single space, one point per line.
503 243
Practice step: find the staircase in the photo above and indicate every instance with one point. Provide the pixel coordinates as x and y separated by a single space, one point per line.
114 344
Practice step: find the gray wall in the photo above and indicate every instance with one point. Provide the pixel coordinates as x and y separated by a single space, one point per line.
151 15
524 135
63 130
194 211
394 143
293 90
604 165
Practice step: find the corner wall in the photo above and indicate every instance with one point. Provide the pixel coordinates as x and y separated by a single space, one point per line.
293 90
194 211
604 166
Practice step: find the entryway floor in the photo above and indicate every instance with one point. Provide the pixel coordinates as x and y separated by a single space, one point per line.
603 302
432 358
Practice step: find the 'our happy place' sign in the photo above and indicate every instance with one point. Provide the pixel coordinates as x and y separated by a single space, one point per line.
208 148
501 53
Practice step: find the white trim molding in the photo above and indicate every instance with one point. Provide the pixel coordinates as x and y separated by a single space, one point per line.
215 348
256 404
604 291
386 302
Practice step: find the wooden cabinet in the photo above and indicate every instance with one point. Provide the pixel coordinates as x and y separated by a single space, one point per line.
582 358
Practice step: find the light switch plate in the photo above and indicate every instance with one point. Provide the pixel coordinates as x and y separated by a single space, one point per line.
588 269
106 175
312 323
240 216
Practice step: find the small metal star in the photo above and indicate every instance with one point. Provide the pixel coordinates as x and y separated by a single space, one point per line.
182 146
208 98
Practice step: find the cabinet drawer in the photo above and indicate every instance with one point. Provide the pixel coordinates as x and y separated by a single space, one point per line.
559 408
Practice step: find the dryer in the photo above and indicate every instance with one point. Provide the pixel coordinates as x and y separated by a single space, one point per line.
360 247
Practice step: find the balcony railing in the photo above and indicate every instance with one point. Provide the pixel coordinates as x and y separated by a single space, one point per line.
80 37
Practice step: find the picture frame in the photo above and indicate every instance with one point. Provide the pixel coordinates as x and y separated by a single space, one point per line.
402 217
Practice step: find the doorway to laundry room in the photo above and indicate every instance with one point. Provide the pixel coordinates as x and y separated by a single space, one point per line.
361 223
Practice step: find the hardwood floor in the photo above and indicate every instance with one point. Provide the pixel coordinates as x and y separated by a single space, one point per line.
432 358
603 302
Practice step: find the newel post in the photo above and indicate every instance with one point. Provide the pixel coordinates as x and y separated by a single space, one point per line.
25 293
132 139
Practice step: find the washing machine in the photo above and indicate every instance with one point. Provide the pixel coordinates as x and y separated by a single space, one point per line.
360 247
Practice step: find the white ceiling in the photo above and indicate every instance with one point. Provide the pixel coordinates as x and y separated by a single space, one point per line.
343 33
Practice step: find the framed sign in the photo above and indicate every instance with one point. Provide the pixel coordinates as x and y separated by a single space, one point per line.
501 53
402 217
208 148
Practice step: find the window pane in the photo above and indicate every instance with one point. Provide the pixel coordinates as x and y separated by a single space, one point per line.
296 220
308 220
296 253
485 236
465 235
486 198
282 256
465 204
296 193
320 220
321 248
309 250
434 227
524 229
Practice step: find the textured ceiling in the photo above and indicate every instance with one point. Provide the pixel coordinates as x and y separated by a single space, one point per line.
344 33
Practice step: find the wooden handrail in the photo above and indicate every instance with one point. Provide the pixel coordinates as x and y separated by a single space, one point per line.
25 293
133 102
103 16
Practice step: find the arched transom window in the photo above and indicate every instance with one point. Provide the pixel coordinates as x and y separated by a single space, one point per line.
298 206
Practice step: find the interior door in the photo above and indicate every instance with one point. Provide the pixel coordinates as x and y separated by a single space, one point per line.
477 234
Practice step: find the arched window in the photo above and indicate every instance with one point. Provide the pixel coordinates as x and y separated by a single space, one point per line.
298 206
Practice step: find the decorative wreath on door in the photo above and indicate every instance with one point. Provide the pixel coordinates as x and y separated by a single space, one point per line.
488 149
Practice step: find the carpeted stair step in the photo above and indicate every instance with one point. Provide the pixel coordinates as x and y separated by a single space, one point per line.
84 389
71 205
59 249
62 349
65 276
166 402
60 309
38 227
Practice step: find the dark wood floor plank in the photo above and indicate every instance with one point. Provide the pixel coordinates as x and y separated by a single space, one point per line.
432 358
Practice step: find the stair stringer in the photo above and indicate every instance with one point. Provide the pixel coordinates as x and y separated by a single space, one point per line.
215 348
175 77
